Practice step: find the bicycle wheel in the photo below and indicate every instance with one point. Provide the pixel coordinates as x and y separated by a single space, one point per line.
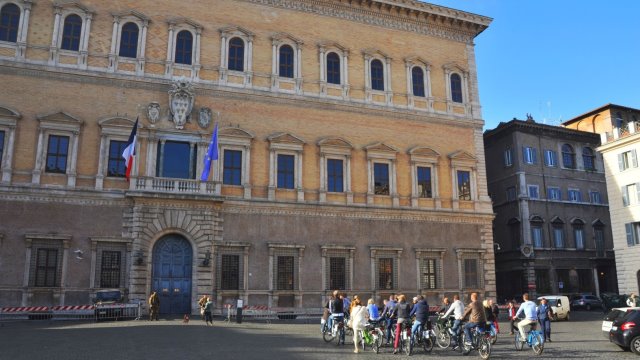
484 348
406 344
443 339
327 334
427 341
466 348
378 338
519 344
537 344
412 342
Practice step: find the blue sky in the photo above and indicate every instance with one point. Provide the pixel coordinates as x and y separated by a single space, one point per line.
555 59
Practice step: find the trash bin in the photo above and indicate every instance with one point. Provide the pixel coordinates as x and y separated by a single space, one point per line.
239 311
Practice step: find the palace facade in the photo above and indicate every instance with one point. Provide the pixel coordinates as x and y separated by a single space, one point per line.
350 151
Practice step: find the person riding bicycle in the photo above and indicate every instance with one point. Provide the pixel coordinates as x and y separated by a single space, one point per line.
401 312
476 314
421 311
336 308
457 310
530 311
387 313
372 309
445 305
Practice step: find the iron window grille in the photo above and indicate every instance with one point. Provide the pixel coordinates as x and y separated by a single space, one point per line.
285 273
428 274
338 273
471 273
46 268
385 274
230 272
110 269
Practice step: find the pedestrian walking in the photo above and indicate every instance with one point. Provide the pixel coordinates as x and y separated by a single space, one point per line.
201 303
496 311
208 307
358 319
512 312
544 318
154 306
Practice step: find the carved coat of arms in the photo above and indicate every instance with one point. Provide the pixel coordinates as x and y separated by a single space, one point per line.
181 99
204 117
153 112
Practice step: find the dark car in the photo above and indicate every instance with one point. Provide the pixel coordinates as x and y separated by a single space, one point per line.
625 331
586 302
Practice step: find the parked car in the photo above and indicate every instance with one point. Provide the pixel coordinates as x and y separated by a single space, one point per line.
613 315
625 331
586 302
559 306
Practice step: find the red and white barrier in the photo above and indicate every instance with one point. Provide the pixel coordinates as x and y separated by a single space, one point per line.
24 309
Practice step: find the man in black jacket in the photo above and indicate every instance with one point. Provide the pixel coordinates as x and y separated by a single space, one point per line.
421 311
336 308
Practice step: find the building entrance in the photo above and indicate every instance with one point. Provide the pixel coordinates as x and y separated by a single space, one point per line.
172 262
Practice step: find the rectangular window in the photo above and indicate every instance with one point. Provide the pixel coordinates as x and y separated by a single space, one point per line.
46 268
428 274
424 181
529 155
1 147
176 159
536 236
558 238
627 159
599 239
633 233
110 269
335 175
511 193
385 274
550 158
595 197
116 165
381 178
232 171
285 273
574 195
230 272
508 157
578 234
337 273
627 190
471 273
286 171
464 185
533 192
553 193
57 153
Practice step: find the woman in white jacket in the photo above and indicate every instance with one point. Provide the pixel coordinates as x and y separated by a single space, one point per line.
359 315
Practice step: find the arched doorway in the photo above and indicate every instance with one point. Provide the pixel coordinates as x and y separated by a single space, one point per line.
172 261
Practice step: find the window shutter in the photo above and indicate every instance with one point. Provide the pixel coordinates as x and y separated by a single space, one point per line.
629 229
634 158
534 155
621 162
625 196
524 155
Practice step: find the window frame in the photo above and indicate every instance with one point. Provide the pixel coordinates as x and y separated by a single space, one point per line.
574 195
285 173
232 248
236 170
632 231
35 242
418 84
285 144
176 27
377 75
183 52
588 159
577 226
62 11
529 155
9 27
382 154
478 255
74 34
115 59
627 159
508 156
536 192
237 65
568 157
550 158
129 45
461 194
118 159
334 148
557 190
456 91
326 87
392 256
537 234
20 45
336 177
595 197
277 250
331 251
226 35
232 281
557 230
232 138
57 124
372 93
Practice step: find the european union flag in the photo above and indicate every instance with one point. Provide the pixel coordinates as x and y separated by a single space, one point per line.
212 154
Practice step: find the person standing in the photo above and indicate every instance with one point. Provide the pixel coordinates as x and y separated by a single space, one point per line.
208 307
530 311
512 313
201 303
154 306
358 317
496 311
544 317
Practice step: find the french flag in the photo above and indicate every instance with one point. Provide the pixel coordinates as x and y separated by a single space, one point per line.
130 151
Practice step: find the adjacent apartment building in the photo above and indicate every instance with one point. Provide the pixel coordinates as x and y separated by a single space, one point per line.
619 129
552 229
349 137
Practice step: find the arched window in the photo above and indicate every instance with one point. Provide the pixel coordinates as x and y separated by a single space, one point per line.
236 54
333 68
456 88
417 78
9 21
286 61
129 40
568 157
377 75
71 33
184 47
588 158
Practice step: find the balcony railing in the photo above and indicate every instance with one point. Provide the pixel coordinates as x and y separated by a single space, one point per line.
174 186
632 128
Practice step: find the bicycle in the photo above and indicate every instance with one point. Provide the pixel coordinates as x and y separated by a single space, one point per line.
337 330
423 337
535 340
372 335
480 340
443 326
494 334
404 343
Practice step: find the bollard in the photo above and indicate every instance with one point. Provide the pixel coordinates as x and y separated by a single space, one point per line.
239 311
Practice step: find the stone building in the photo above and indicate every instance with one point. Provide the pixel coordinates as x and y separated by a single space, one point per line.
552 222
619 129
350 151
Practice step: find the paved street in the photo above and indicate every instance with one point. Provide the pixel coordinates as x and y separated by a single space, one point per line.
580 338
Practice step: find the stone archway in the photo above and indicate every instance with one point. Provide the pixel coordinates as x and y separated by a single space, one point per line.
172 274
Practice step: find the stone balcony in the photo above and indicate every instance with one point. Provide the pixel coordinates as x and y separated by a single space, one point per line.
630 129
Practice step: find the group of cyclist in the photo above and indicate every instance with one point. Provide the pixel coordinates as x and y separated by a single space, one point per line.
398 312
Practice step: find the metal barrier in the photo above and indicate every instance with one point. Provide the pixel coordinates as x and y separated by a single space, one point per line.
73 312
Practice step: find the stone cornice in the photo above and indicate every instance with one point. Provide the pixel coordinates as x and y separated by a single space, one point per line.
206 89
404 15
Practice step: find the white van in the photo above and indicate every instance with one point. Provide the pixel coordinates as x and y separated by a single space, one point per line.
559 305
